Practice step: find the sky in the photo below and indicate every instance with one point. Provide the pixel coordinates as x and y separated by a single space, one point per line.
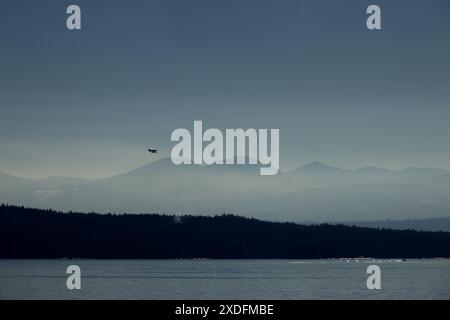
89 103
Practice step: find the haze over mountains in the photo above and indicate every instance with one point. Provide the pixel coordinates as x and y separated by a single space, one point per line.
315 192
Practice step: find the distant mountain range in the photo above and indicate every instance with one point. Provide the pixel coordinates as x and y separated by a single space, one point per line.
315 192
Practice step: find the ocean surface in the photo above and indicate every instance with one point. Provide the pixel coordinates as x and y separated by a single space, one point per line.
225 279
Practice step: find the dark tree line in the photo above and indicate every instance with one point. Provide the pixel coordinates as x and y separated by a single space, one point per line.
34 233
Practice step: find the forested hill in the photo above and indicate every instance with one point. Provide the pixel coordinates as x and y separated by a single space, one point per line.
33 233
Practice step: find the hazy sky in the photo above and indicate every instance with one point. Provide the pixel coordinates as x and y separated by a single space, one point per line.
88 103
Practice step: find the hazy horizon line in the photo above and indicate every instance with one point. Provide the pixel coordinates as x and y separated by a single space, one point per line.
316 162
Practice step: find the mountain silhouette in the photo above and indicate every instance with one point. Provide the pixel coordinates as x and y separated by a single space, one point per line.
314 192
317 166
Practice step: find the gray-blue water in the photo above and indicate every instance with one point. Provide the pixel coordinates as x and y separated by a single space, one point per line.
224 279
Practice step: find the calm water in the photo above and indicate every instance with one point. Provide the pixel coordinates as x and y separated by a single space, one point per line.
224 279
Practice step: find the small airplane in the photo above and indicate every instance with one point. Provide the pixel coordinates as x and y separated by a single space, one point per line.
152 150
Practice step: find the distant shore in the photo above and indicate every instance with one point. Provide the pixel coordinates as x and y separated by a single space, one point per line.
27 233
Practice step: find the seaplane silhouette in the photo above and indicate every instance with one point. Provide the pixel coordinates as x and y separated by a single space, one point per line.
152 150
